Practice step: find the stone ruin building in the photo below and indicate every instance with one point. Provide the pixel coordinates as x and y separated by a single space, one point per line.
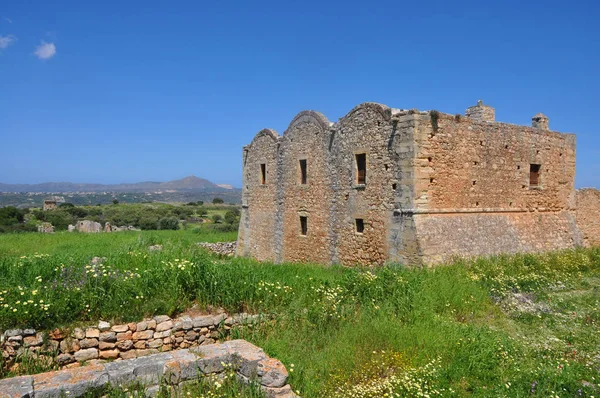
405 186
49 204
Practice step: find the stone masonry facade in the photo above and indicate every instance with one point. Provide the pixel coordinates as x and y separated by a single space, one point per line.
407 186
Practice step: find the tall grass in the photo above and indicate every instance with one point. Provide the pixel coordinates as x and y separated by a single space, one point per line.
445 329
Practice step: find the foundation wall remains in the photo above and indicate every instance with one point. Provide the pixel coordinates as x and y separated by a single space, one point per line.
168 370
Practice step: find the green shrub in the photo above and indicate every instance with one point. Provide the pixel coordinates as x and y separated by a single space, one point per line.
168 223
11 215
78 212
148 223
232 216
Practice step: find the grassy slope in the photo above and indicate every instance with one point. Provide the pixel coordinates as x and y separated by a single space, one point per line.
333 323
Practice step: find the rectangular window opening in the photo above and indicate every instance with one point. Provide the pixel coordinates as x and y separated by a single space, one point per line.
360 226
534 175
263 174
361 168
303 171
303 225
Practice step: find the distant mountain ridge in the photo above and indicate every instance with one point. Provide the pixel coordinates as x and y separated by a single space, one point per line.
190 183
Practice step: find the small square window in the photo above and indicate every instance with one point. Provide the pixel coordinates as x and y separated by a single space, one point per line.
534 174
263 174
303 225
361 168
303 171
360 225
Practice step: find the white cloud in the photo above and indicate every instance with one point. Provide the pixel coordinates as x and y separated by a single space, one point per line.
45 50
6 41
7 19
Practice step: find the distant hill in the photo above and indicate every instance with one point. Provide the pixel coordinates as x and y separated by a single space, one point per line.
187 184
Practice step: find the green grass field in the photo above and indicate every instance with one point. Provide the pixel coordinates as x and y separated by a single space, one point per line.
514 326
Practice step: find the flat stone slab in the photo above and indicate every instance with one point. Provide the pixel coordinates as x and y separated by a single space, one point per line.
72 382
17 387
175 367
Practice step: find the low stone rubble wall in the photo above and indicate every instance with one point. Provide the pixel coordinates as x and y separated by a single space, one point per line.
173 369
125 341
222 248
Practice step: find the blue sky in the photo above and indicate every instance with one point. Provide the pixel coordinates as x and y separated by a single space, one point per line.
131 91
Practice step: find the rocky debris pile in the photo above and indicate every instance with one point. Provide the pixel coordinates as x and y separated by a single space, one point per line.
173 368
88 226
114 228
125 341
524 303
46 228
222 248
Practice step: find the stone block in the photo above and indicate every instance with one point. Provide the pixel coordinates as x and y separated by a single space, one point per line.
125 345
13 332
155 343
141 344
64 359
70 382
17 387
86 355
120 328
128 354
217 319
272 373
246 356
161 318
191 335
103 345
109 354
88 343
141 326
124 336
103 326
163 326
162 335
109 337
69 345
79 333
211 357
145 335
33 341
203 321
183 366
92 333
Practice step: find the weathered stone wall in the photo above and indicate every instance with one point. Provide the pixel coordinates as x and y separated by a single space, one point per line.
472 164
588 215
473 194
366 129
125 341
259 201
170 369
437 186
306 138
